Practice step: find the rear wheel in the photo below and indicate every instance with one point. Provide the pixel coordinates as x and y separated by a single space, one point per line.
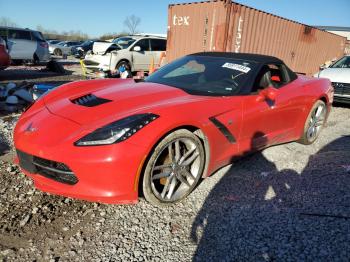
314 123
57 52
36 59
174 168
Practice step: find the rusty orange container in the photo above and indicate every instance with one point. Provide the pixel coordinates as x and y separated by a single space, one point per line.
232 27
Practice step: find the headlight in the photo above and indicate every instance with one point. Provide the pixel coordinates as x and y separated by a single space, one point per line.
117 131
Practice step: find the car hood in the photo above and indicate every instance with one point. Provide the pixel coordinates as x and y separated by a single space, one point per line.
100 48
341 75
119 98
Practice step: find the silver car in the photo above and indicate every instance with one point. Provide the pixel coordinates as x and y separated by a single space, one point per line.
63 47
339 74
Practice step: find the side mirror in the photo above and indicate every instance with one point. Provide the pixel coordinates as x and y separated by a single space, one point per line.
137 48
269 93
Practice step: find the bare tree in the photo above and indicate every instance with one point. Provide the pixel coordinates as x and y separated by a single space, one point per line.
131 23
5 21
108 36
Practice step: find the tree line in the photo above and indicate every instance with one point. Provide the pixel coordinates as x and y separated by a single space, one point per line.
131 23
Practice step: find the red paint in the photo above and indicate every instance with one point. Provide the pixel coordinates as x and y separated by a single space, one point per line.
4 57
108 173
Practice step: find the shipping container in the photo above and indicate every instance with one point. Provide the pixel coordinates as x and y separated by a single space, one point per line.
232 27
347 48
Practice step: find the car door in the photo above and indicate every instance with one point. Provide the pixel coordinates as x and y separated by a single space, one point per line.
255 128
289 105
142 59
157 46
21 45
267 122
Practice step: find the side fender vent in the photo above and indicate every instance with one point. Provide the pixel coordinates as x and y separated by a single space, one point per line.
89 100
223 129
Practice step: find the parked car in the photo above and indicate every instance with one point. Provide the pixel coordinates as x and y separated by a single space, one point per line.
53 41
111 137
339 74
133 52
25 44
4 56
63 47
80 51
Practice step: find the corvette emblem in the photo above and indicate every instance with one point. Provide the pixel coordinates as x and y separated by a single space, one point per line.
30 128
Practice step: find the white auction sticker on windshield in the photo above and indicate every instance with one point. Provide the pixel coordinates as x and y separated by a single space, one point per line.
237 67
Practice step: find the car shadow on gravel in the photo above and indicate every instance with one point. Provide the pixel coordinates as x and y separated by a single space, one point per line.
12 74
259 213
4 148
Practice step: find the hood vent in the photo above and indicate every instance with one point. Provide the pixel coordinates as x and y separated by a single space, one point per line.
89 100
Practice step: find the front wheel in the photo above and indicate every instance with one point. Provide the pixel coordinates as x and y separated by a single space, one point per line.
174 168
126 65
314 123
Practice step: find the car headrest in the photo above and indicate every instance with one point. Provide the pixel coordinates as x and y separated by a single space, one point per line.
265 80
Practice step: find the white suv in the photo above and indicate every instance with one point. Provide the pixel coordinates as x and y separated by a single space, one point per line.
134 52
25 44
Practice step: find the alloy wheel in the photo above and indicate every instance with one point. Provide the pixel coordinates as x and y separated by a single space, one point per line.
316 122
176 170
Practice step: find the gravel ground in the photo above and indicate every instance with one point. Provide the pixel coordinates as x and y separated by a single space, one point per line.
39 73
288 203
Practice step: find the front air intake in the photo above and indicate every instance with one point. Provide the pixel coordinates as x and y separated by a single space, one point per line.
89 100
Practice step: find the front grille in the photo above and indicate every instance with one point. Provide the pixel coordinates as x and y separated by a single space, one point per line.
341 88
47 168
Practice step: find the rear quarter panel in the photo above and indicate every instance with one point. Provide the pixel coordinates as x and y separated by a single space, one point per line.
314 89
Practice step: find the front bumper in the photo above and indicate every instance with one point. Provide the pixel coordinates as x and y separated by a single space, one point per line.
341 92
341 98
97 62
106 174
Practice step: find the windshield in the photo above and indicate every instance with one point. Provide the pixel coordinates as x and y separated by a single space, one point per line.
123 42
87 43
205 75
53 42
342 63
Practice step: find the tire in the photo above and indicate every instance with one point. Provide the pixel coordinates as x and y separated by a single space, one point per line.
57 52
314 123
126 64
36 59
174 168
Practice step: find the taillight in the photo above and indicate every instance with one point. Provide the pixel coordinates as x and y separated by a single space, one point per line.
44 44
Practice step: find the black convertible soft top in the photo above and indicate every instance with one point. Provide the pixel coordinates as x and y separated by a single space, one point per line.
260 60
265 59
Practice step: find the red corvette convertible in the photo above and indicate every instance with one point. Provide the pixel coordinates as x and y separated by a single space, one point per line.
113 139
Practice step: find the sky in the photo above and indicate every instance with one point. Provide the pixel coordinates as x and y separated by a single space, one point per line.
106 16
